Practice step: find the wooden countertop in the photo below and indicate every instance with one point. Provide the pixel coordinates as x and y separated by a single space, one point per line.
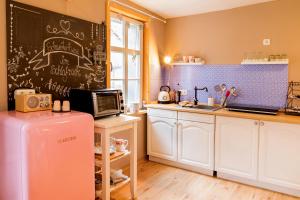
280 117
114 121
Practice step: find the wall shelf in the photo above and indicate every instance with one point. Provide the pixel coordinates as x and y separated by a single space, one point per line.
284 62
187 64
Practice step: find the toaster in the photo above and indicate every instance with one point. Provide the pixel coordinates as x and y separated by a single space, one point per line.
33 102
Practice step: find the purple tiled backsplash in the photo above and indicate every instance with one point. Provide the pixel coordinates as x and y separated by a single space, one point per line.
256 84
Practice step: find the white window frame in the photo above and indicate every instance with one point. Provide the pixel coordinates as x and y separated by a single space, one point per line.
126 52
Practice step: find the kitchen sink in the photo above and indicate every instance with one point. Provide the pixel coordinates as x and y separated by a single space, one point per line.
205 107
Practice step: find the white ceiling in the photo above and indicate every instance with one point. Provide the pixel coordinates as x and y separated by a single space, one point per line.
178 8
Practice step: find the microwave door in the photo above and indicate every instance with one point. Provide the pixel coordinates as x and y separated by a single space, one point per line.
107 103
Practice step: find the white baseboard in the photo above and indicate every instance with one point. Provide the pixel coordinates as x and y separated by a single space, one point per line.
259 184
182 166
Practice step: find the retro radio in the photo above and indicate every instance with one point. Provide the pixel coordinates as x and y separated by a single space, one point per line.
33 102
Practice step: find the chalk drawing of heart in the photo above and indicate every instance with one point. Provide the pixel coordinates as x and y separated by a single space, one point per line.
65 25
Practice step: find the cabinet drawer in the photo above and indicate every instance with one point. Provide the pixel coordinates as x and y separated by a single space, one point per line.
196 117
162 113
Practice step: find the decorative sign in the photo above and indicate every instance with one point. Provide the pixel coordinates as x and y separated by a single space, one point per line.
53 53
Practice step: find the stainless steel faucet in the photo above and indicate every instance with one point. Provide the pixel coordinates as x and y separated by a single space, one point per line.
196 94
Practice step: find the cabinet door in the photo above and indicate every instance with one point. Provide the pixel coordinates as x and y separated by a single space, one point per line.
279 162
196 144
162 138
237 147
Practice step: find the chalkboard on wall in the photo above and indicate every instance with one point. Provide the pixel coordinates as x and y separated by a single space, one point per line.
53 53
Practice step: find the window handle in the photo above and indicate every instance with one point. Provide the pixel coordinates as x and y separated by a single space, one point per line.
111 66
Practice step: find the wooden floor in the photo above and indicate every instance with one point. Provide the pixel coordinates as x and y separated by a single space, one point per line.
160 182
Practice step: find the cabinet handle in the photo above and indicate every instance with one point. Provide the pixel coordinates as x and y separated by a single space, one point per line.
256 123
262 123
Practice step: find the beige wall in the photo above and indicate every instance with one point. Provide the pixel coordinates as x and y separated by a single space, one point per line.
156 53
223 37
92 10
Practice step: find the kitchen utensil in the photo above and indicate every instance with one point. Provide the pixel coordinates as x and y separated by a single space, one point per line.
66 106
117 176
221 88
144 102
226 97
218 88
135 107
178 97
98 150
57 106
172 96
198 60
120 144
210 101
185 59
184 103
233 91
177 58
125 109
191 59
164 96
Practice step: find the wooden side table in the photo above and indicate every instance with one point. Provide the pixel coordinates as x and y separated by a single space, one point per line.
106 127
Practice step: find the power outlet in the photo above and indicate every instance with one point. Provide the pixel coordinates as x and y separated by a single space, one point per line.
183 92
267 42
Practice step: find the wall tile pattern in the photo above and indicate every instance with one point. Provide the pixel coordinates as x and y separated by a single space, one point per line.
256 84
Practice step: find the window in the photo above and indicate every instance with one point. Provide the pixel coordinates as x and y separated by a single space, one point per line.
126 57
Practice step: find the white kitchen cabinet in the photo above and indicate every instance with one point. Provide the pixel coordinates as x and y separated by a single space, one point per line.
196 144
279 160
236 147
162 137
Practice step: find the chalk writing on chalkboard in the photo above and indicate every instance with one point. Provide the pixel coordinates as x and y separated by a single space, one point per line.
58 45
65 29
53 53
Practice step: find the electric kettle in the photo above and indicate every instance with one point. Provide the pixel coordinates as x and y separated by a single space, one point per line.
164 96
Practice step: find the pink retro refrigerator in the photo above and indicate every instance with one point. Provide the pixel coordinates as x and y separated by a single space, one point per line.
46 156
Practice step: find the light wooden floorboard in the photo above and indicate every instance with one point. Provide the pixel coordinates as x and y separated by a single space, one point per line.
161 182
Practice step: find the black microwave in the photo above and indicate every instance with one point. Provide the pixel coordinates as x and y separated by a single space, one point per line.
99 103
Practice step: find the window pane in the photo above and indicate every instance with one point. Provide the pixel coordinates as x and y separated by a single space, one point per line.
133 66
117 68
117 33
117 84
134 36
133 91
